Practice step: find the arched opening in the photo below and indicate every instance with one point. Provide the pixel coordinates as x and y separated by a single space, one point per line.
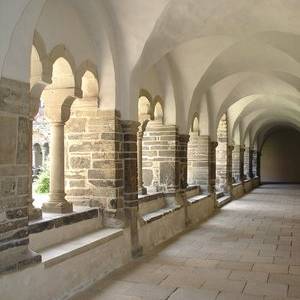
158 112
56 100
221 155
280 160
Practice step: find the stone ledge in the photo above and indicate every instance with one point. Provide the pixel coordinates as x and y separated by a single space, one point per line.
237 184
197 198
192 187
223 200
64 251
51 221
150 197
156 215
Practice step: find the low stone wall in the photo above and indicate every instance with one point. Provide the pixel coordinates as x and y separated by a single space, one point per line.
201 210
248 185
165 226
255 182
62 279
237 190
154 233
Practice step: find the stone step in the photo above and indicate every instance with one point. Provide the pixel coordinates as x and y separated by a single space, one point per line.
197 198
223 200
61 252
155 215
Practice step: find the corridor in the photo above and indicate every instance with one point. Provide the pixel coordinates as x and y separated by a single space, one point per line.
250 249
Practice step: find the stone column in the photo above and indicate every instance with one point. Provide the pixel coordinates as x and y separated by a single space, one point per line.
181 156
33 212
183 140
229 168
258 154
34 155
45 153
15 176
130 129
246 162
236 163
242 176
251 174
194 159
212 168
57 112
204 162
141 189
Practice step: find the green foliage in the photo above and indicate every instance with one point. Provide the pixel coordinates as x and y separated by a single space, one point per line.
43 182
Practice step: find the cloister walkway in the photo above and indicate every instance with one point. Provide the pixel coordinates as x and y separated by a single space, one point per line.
250 249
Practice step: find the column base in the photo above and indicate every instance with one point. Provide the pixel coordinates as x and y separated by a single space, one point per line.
142 191
34 213
57 207
137 252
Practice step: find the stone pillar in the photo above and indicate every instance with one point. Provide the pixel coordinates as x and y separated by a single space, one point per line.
159 157
15 178
194 159
34 155
236 163
229 168
181 172
204 163
221 155
182 150
57 112
212 168
94 165
246 162
251 154
33 212
242 176
258 155
141 189
130 129
45 152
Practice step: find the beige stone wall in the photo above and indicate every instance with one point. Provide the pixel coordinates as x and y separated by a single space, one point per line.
15 166
160 165
94 167
280 160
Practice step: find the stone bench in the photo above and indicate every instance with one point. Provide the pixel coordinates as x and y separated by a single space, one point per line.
154 206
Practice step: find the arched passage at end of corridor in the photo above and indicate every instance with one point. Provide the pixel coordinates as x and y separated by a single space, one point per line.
280 160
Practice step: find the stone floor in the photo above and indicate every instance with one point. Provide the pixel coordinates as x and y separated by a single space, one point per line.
250 249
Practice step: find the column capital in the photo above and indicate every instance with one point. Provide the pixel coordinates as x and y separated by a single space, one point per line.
58 111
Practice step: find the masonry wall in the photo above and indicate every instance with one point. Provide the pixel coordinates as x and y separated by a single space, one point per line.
159 157
280 159
94 169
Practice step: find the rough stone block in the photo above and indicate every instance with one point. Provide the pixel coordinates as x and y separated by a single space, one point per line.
8 142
